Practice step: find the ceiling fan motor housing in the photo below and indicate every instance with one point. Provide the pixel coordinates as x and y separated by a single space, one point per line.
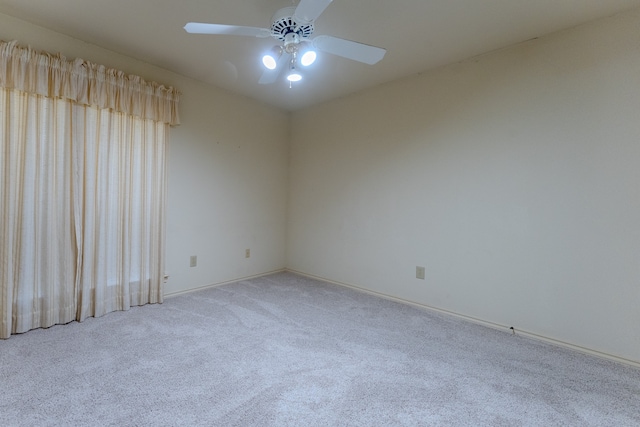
284 23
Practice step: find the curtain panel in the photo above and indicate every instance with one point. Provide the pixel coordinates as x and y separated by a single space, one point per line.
82 189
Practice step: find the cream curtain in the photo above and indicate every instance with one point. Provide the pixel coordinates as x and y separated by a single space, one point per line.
82 190
85 83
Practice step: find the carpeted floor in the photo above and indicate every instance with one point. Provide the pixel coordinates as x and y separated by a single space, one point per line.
285 350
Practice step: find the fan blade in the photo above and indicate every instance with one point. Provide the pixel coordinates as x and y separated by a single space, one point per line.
309 10
349 49
270 76
233 30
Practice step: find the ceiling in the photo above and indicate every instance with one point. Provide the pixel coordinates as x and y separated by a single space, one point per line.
418 35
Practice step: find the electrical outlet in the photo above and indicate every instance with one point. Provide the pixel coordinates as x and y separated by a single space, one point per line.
420 273
194 260
247 253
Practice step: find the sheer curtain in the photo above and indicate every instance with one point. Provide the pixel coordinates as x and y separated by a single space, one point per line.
82 190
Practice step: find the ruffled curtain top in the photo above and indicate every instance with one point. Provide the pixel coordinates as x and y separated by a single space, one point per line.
87 83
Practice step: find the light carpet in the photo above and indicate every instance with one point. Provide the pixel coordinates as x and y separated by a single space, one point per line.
286 350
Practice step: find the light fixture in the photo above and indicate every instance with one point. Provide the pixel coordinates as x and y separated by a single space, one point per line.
307 54
270 59
293 75
301 53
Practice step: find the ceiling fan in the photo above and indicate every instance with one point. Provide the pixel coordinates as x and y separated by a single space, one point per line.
292 27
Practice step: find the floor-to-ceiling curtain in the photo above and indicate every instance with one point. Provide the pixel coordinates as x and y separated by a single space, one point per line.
82 190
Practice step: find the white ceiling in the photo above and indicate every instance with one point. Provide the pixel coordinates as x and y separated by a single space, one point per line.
418 35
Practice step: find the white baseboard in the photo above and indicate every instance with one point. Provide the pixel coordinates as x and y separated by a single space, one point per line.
497 326
226 282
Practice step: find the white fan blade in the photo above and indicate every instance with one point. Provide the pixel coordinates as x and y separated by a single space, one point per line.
270 76
233 30
349 49
309 10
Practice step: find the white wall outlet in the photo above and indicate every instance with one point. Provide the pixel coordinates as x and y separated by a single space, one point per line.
420 273
194 261
247 253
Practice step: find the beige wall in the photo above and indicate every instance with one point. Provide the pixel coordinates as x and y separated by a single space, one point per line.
514 178
227 168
